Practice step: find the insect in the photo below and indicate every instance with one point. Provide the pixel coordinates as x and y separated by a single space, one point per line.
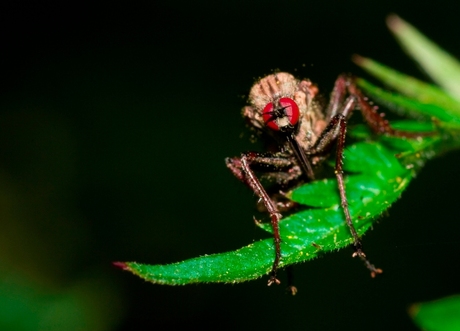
288 110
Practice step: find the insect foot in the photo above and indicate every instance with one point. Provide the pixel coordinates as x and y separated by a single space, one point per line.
292 290
374 271
273 280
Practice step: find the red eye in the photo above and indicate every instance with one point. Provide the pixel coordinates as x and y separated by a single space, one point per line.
287 114
269 117
291 109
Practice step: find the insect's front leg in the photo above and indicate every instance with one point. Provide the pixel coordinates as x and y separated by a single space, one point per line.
336 131
242 169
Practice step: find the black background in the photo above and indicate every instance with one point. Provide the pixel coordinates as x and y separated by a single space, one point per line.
114 124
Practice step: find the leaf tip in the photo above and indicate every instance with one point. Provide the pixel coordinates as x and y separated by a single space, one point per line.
395 23
413 310
121 265
359 60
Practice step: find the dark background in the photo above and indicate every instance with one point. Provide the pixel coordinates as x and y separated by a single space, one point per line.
114 125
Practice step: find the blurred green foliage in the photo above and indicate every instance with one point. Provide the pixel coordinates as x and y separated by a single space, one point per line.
437 315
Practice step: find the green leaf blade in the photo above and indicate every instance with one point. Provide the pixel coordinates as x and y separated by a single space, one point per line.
442 67
241 265
306 234
406 106
415 89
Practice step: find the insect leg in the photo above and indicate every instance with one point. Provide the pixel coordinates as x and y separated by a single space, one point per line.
337 129
375 119
241 168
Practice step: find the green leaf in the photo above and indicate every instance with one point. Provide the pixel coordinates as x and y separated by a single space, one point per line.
417 90
442 67
413 153
377 181
405 105
438 315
